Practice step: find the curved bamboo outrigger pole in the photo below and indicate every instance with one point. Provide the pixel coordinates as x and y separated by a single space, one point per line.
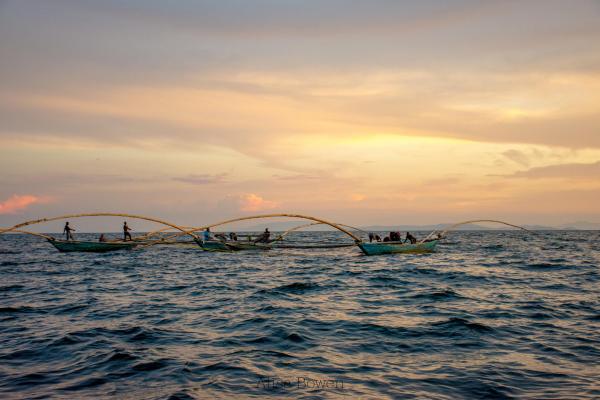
176 235
308 217
39 221
451 227
166 228
284 234
32 234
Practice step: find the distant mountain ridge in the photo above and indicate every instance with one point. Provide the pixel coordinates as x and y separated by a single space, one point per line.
283 226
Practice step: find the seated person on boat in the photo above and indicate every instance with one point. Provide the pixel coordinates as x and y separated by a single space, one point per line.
264 237
395 237
410 238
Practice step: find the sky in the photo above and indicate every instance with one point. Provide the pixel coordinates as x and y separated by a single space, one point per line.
361 112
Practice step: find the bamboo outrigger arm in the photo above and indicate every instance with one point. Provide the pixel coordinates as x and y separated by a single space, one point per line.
307 217
296 228
39 221
453 226
162 230
317 221
47 237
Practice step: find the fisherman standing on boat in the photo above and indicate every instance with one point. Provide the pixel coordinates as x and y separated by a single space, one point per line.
207 234
67 231
126 233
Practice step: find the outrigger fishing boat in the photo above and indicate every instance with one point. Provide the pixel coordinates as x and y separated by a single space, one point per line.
377 248
70 246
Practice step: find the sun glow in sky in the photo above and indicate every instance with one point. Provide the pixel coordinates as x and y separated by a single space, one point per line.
369 112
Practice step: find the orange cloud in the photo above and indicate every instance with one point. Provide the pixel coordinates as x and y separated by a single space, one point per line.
18 203
358 197
252 202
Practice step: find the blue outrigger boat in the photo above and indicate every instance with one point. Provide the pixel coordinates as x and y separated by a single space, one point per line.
377 248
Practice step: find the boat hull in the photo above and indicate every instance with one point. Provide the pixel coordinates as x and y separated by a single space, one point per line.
372 249
216 245
90 247
213 245
248 246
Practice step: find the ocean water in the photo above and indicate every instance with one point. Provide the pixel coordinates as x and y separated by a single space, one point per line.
497 314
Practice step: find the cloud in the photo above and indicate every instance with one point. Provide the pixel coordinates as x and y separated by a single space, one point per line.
446 180
574 170
17 203
202 179
517 156
357 197
251 202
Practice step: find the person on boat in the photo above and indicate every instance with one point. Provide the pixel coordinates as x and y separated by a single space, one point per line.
377 238
126 233
371 237
233 236
102 238
386 239
410 238
264 238
67 231
207 235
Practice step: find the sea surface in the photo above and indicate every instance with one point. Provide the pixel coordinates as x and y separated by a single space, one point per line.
490 315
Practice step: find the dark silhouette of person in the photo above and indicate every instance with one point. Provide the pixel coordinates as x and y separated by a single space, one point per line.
67 231
264 237
410 238
371 237
395 237
102 238
126 233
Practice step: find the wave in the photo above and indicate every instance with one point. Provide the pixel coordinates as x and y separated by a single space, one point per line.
292 288
438 295
456 323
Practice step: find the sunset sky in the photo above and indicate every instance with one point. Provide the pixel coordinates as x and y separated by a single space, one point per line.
363 112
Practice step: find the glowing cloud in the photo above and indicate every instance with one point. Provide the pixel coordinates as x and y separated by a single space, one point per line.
251 202
358 197
18 203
